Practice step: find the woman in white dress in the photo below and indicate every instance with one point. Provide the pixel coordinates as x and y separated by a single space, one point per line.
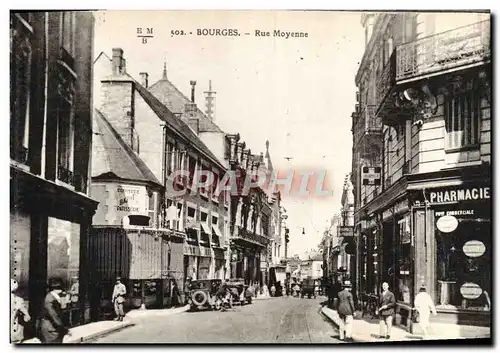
424 306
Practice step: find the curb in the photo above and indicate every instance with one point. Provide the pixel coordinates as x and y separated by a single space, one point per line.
355 340
167 312
83 339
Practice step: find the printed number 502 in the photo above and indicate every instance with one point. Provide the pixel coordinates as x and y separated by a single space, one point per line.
177 32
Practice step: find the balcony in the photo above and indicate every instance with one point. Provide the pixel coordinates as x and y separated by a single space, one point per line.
444 52
439 54
367 123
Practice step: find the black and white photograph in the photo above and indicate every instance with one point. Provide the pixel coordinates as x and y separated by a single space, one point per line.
250 177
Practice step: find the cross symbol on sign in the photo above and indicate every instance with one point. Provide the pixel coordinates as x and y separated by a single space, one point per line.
371 175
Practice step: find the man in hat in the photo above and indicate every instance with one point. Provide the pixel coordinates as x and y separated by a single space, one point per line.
346 312
52 328
118 299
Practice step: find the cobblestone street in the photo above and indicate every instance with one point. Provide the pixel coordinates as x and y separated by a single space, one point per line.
281 320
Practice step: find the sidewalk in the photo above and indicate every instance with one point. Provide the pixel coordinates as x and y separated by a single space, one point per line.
367 331
93 330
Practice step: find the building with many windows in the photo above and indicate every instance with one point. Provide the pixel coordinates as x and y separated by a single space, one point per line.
165 143
422 161
50 147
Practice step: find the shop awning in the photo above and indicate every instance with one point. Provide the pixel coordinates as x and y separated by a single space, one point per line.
205 228
217 231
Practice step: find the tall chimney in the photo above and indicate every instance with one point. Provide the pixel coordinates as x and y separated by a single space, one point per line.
193 84
117 61
144 79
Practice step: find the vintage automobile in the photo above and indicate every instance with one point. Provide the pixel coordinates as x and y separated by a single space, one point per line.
203 293
241 294
308 288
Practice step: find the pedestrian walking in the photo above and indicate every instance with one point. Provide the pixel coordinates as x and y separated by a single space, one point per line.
52 328
346 312
18 315
273 290
187 289
118 299
424 306
387 303
337 287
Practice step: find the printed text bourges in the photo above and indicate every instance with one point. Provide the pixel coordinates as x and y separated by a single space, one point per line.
226 32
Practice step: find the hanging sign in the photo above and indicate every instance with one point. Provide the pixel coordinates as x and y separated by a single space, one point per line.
345 231
371 175
474 248
447 224
470 291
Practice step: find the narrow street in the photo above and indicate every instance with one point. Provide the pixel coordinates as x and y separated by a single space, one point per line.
281 320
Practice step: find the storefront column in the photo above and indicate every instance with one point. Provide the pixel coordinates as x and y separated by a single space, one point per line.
83 275
430 246
419 250
37 266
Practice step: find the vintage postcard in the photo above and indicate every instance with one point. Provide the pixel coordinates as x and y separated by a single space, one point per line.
250 177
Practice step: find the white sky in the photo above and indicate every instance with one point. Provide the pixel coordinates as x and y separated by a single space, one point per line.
298 93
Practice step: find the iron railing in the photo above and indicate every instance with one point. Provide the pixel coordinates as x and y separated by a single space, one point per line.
385 81
443 51
65 175
367 122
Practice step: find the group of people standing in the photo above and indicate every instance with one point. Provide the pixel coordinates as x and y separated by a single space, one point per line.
50 325
343 302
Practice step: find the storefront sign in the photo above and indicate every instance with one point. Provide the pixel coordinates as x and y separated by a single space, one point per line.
447 224
399 207
455 213
474 248
345 231
130 199
191 250
459 194
371 175
471 290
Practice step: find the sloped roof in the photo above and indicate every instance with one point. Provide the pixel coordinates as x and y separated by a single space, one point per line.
175 100
112 156
176 124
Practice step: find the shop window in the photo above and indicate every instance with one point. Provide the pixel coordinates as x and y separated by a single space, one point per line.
63 257
404 274
464 266
20 84
462 117
152 209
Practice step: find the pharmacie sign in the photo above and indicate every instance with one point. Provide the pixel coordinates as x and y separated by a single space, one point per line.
459 194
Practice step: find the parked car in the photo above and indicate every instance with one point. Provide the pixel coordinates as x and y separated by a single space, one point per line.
203 292
241 294
308 288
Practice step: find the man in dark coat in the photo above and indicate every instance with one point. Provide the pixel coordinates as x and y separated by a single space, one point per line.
52 328
387 303
346 312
